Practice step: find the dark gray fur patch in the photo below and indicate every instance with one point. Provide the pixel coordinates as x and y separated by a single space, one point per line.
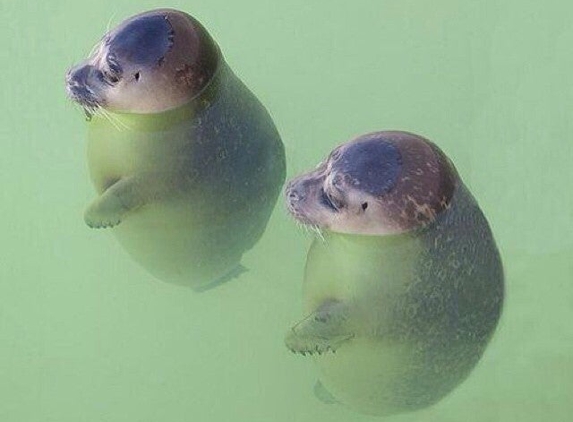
144 41
371 166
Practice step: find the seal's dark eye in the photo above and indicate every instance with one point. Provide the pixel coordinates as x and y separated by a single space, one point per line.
110 77
364 206
113 64
328 201
136 76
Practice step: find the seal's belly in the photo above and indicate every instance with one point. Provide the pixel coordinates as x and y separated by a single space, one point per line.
113 156
372 372
178 246
360 270
173 238
115 152
370 376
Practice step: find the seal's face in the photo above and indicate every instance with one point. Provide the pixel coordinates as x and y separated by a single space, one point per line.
150 63
380 183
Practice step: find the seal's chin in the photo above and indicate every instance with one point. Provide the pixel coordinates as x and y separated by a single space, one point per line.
302 217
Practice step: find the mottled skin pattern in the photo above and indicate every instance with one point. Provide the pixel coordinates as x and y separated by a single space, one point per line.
189 188
410 312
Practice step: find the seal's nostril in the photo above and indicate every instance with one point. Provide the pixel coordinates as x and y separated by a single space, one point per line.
292 191
293 195
71 77
79 75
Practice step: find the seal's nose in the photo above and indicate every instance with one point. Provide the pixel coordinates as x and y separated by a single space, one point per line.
78 75
294 191
81 81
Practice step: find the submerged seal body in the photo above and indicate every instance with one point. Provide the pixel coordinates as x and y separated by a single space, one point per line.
406 285
186 161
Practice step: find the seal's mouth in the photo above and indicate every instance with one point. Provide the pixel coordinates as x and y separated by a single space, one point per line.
294 200
300 216
82 95
304 201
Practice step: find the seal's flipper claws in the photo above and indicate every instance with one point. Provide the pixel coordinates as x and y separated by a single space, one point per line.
104 212
324 330
110 208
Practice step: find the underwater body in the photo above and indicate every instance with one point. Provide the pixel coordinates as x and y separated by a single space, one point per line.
187 162
404 289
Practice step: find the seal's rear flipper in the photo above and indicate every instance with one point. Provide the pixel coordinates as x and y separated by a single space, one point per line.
325 329
234 273
323 394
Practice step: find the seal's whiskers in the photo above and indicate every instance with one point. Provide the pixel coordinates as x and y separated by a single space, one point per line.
318 232
114 120
100 111
111 18
119 121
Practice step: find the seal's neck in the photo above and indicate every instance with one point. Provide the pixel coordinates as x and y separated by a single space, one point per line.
362 240
152 122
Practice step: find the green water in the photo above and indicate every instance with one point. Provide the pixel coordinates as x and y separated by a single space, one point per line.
87 335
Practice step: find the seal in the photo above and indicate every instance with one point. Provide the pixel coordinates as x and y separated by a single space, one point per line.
405 283
187 162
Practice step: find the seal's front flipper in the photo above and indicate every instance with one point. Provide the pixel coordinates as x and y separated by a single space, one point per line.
109 209
323 394
325 329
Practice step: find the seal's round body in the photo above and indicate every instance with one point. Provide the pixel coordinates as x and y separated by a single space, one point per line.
187 161
406 285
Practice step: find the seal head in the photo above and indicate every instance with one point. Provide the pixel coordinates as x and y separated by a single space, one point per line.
152 62
380 183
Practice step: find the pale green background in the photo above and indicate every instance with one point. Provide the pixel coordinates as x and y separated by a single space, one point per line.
86 335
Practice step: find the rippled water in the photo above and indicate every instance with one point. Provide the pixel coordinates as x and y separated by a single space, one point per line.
87 335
